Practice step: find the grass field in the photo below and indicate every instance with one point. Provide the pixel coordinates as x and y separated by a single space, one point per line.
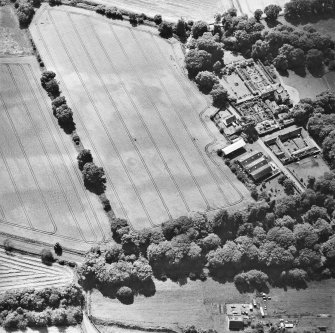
22 271
191 9
173 305
13 41
138 114
42 194
203 304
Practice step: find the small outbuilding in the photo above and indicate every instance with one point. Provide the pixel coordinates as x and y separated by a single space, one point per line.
233 147
236 323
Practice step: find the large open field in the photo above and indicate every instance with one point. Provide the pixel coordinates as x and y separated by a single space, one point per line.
191 9
138 113
42 194
203 304
22 271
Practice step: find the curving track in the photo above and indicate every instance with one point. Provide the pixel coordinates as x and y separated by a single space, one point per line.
138 113
22 271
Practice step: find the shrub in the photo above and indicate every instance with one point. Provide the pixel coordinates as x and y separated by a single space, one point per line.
165 30
100 9
8 245
125 295
25 13
94 178
52 88
106 205
47 257
199 28
84 157
158 19
206 80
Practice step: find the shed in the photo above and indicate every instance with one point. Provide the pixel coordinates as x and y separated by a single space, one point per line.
236 323
233 147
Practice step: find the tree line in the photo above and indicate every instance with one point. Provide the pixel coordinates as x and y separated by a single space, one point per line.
20 309
282 242
298 11
284 46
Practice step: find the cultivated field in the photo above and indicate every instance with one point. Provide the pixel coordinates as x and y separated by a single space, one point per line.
191 9
138 113
22 271
42 194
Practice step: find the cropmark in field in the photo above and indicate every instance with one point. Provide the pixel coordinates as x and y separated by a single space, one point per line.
138 113
22 271
42 194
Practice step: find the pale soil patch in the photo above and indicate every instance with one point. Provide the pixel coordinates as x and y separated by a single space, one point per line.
190 9
43 197
137 112
19 271
13 41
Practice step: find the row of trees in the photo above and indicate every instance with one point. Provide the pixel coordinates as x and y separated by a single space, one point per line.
40 308
284 46
287 241
94 176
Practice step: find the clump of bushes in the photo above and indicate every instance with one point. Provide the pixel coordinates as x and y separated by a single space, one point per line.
25 12
47 257
94 178
20 309
110 12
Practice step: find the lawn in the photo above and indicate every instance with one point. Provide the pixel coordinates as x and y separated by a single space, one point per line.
23 271
43 197
310 166
138 113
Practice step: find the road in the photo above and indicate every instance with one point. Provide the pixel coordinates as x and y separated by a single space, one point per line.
281 166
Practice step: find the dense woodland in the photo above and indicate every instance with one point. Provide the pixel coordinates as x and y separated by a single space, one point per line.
283 242
41 308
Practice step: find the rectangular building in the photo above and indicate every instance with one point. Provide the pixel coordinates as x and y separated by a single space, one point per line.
248 158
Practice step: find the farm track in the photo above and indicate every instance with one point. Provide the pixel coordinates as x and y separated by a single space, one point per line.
20 271
103 72
21 77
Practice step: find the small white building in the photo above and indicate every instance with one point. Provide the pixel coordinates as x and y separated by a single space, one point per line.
233 147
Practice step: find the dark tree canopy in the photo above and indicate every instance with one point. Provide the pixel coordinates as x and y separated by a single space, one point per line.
94 178
199 28
197 61
85 156
272 12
